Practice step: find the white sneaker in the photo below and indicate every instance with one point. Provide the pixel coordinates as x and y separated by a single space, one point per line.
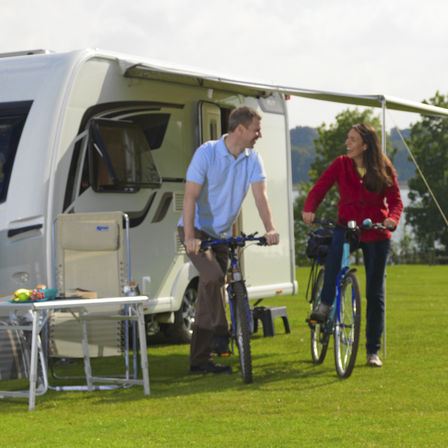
373 360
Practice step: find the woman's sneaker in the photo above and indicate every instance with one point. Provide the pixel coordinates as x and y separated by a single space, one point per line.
373 360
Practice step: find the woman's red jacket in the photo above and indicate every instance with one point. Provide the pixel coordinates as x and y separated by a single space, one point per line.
355 201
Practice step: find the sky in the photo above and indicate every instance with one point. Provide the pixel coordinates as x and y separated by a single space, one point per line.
390 47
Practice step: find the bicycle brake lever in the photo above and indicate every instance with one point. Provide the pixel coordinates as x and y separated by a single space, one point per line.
262 241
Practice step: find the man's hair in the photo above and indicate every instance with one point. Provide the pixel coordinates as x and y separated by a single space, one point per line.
242 115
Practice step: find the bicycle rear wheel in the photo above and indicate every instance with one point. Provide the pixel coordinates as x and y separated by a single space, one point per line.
319 337
242 329
347 327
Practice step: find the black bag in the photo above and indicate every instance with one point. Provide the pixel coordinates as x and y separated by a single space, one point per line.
318 244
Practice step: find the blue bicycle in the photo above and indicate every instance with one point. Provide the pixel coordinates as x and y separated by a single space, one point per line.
344 320
240 315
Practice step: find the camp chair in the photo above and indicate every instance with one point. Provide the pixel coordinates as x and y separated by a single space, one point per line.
91 254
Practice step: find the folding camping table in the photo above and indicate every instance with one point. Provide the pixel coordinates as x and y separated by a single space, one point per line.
40 312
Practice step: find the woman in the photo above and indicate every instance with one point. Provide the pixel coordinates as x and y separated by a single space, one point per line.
368 188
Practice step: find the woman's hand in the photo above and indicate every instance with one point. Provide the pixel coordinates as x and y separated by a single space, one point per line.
390 224
308 217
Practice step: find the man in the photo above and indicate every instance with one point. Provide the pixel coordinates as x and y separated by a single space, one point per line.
218 179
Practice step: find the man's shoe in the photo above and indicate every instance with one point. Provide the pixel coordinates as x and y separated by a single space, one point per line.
321 313
222 346
210 367
373 360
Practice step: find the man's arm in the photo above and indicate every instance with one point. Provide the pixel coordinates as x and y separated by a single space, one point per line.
259 190
192 190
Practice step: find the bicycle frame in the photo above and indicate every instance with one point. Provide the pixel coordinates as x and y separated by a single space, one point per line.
235 271
343 321
240 314
340 323
335 314
345 267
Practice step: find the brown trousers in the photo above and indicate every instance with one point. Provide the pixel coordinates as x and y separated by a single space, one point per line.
210 318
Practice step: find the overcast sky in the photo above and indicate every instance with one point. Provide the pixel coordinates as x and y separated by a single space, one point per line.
391 47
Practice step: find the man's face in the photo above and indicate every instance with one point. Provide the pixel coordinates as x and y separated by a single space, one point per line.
252 133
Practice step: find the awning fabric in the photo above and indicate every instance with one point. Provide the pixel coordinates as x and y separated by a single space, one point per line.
155 72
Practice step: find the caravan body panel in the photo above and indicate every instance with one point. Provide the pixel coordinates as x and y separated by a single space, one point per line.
53 166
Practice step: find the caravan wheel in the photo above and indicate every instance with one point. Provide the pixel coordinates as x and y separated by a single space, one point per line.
182 328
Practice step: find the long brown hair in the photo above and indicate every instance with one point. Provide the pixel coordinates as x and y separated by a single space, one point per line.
379 169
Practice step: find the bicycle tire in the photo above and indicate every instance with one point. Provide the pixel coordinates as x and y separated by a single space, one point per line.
347 326
319 337
242 330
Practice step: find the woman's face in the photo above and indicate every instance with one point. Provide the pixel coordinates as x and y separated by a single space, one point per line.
355 146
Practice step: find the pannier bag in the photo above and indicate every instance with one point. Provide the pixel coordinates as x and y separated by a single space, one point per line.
318 243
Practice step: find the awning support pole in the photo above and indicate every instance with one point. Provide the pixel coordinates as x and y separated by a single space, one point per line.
383 144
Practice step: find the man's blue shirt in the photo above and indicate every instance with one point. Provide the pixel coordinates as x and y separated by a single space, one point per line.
225 182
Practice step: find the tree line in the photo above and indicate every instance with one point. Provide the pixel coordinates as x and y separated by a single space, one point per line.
426 237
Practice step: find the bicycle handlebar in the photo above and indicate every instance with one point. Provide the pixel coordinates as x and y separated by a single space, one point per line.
235 241
351 225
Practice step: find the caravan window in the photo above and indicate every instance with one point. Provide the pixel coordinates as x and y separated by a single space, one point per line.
154 127
120 157
12 120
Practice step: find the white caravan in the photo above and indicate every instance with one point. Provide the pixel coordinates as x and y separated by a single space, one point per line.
90 131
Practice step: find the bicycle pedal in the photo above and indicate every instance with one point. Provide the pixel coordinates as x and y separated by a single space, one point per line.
224 355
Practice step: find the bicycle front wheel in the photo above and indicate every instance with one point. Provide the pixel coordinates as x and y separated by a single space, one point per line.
347 327
242 329
319 337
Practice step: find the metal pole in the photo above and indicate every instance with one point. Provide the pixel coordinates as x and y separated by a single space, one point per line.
383 144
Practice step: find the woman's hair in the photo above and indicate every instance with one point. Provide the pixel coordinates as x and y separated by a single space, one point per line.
379 169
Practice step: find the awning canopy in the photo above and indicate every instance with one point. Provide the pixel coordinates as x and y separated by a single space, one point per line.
248 88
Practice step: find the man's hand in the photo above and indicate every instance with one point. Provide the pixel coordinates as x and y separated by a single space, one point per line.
272 237
192 246
308 217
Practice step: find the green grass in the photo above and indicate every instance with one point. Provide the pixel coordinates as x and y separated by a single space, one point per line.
291 403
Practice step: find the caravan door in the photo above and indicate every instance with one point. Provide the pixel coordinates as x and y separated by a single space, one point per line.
268 271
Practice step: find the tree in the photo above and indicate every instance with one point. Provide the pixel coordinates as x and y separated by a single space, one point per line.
429 145
329 145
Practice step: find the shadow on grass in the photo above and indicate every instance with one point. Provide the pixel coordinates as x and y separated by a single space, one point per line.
169 377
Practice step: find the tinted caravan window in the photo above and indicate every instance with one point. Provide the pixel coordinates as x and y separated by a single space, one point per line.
153 126
12 120
120 157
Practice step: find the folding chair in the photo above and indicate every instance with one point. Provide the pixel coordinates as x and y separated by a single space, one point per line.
91 252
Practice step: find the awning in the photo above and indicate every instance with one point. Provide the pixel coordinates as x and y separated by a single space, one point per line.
248 88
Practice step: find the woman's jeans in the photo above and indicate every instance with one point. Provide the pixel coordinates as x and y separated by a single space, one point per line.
375 260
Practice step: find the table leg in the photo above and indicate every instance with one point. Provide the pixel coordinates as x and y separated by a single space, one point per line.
85 351
33 362
143 348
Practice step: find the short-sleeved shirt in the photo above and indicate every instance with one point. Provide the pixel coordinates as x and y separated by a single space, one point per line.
225 182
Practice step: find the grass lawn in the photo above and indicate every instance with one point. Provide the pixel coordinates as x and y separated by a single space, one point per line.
291 403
